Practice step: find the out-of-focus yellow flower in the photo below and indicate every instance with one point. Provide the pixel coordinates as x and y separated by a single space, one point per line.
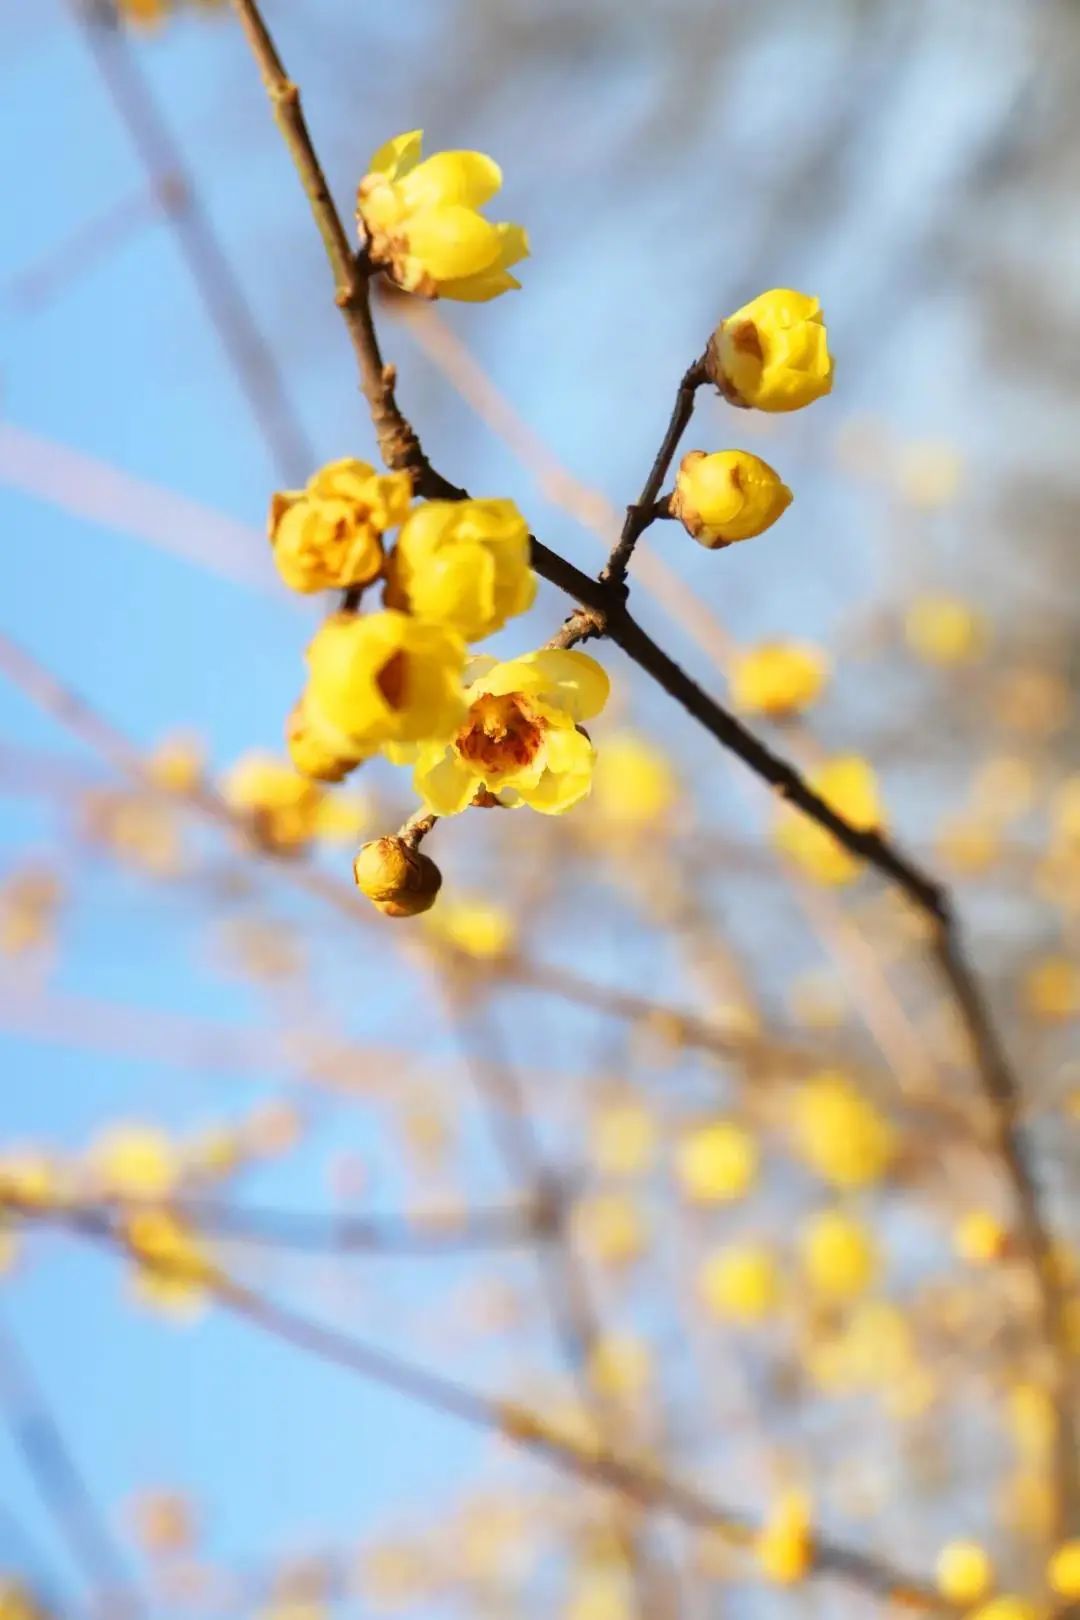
778 678
963 1572
849 787
609 1227
30 1178
717 1162
785 1544
424 227
172 1269
278 806
633 785
477 927
773 353
1063 1570
464 564
379 678
176 763
838 1254
1052 988
943 630
329 536
839 1133
928 475
1065 811
143 13
603 1593
1033 700
521 742
1004 787
980 1238
620 1366
727 496
1030 1414
17 1602
313 754
398 879
622 1137
968 843
740 1283
342 817
1007 1608
134 1161
164 1522
29 906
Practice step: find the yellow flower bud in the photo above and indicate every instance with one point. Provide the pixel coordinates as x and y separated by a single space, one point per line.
980 1238
963 1572
311 754
778 678
278 807
839 1133
329 535
943 630
838 1255
424 227
785 1546
773 354
740 1283
717 1162
848 785
464 564
727 496
399 880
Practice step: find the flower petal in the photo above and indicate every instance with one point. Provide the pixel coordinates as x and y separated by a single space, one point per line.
452 242
470 178
398 156
443 781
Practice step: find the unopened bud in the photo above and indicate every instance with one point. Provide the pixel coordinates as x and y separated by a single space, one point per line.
399 880
311 752
727 496
773 354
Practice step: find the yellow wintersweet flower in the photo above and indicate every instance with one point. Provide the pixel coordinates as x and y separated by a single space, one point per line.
520 741
134 1161
610 1229
143 13
622 1137
398 879
1063 1571
727 496
980 1238
839 1133
620 1366
464 564
30 1178
277 805
176 763
785 1545
963 1572
943 630
633 785
379 678
477 927
778 678
849 787
1007 1608
773 353
838 1255
328 536
1052 988
717 1162
424 226
740 1282
172 1267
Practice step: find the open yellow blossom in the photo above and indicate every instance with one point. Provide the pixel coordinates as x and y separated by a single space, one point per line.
172 1267
520 741
464 564
633 785
773 353
838 1255
134 1161
849 787
277 805
1052 988
727 496
379 678
424 227
839 1133
778 678
963 1572
943 630
740 1283
1063 1571
717 1162
980 1238
398 879
785 1546
329 536
477 927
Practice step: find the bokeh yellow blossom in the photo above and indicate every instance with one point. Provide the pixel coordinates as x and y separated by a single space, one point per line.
716 1162
134 1161
464 564
778 678
773 353
727 496
740 1283
622 1137
849 787
963 1572
610 1228
839 1254
943 630
520 742
1052 988
476 927
424 227
329 536
278 807
785 1546
1063 1571
839 1133
634 785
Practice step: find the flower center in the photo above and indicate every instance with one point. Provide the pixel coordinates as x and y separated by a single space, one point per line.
391 680
501 734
